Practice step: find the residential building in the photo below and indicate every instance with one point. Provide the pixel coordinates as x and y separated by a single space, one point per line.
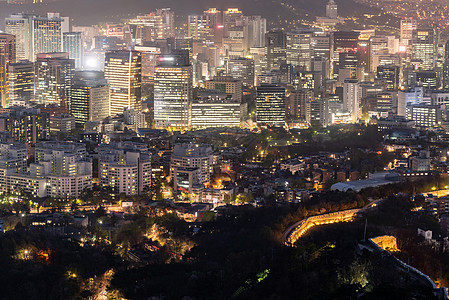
125 167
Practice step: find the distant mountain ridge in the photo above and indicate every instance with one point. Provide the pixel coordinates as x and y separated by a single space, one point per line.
88 12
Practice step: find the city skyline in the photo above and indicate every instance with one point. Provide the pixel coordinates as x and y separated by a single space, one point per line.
260 149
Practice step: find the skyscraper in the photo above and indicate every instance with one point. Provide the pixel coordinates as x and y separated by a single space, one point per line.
424 43
378 48
72 43
255 28
7 56
168 22
407 28
242 68
20 26
123 70
89 97
36 34
390 76
208 26
53 78
173 91
21 81
345 50
270 105
299 48
47 34
351 99
276 43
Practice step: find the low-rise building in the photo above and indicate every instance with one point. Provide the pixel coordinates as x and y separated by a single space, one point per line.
191 166
62 123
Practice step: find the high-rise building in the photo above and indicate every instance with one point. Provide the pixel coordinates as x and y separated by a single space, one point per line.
208 27
378 48
242 69
168 22
276 45
390 75
322 45
123 70
231 18
300 48
20 25
299 107
173 90
332 10
7 56
72 43
254 30
37 34
260 61
200 27
47 34
364 55
386 102
351 99
53 78
320 66
89 99
318 113
155 25
424 43
148 28
345 45
270 105
149 62
426 79
21 81
407 27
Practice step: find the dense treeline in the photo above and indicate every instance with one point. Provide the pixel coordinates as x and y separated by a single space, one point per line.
239 257
36 266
